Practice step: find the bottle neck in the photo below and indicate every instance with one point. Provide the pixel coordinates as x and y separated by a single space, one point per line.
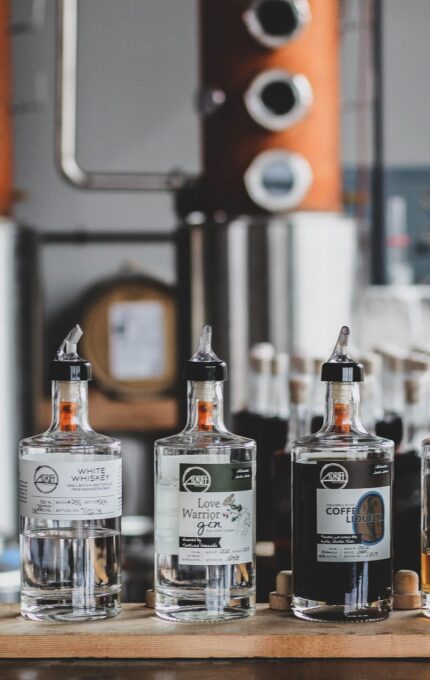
205 407
412 426
298 423
342 414
69 406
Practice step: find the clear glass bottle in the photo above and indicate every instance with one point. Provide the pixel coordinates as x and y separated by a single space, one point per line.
205 507
342 486
70 505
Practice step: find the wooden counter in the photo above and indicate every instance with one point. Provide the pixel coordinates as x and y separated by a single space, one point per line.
137 634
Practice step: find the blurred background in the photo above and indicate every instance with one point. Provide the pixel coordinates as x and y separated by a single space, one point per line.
260 165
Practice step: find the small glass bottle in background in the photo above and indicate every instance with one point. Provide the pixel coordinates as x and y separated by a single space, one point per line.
342 485
317 397
298 426
205 506
70 505
393 374
371 391
407 480
425 527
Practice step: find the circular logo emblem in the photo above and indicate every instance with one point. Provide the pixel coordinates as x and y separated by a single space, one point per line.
333 476
45 479
369 518
196 479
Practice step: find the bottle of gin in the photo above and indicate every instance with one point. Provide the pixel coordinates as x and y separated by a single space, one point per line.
70 505
342 486
205 506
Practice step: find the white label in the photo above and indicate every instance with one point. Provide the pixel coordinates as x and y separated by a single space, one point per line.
137 340
353 525
205 515
70 489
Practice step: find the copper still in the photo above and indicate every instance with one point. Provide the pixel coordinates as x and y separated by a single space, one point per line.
270 78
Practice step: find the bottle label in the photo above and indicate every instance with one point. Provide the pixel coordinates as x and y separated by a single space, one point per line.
353 505
68 489
216 513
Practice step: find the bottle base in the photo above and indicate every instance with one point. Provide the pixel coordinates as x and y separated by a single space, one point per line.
313 610
180 610
54 607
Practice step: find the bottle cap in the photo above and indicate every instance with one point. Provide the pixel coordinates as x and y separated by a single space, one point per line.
341 367
261 356
391 427
371 363
68 365
204 365
280 363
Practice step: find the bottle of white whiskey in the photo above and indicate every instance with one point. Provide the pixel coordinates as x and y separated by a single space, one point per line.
70 505
205 506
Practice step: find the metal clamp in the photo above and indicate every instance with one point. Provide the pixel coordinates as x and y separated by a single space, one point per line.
66 122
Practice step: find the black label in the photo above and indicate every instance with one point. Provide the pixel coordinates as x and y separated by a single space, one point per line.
215 477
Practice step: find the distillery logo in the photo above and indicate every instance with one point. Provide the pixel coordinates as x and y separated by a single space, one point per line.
333 476
196 479
45 479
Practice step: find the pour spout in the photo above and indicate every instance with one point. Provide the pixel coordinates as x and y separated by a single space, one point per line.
341 347
205 341
70 342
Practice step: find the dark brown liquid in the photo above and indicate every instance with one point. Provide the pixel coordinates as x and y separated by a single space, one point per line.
407 511
270 435
281 513
335 583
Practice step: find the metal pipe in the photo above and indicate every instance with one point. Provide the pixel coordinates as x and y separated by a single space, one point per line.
378 237
66 122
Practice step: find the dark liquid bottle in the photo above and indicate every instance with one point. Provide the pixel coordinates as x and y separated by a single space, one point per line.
265 421
342 483
407 483
298 426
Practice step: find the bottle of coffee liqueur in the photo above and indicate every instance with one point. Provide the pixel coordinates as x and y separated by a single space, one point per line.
205 506
70 505
342 484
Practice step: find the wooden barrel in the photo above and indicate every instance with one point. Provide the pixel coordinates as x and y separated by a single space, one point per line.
236 141
129 337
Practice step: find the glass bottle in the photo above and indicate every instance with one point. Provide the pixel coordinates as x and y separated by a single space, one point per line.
407 482
70 505
370 391
205 506
298 426
342 483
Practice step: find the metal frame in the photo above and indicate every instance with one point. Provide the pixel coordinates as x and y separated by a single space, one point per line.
66 122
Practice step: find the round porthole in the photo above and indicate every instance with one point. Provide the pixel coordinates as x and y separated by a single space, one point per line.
278 180
275 22
276 99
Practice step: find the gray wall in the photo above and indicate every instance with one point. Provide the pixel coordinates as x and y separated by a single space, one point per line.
137 79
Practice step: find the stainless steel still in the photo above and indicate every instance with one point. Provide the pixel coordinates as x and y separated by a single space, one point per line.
288 281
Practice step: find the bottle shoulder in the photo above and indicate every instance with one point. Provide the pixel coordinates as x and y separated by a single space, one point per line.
328 440
198 440
70 440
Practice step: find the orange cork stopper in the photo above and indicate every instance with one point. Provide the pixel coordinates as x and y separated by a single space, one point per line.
205 413
68 416
342 418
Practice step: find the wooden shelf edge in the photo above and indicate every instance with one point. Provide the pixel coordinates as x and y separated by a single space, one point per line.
137 634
